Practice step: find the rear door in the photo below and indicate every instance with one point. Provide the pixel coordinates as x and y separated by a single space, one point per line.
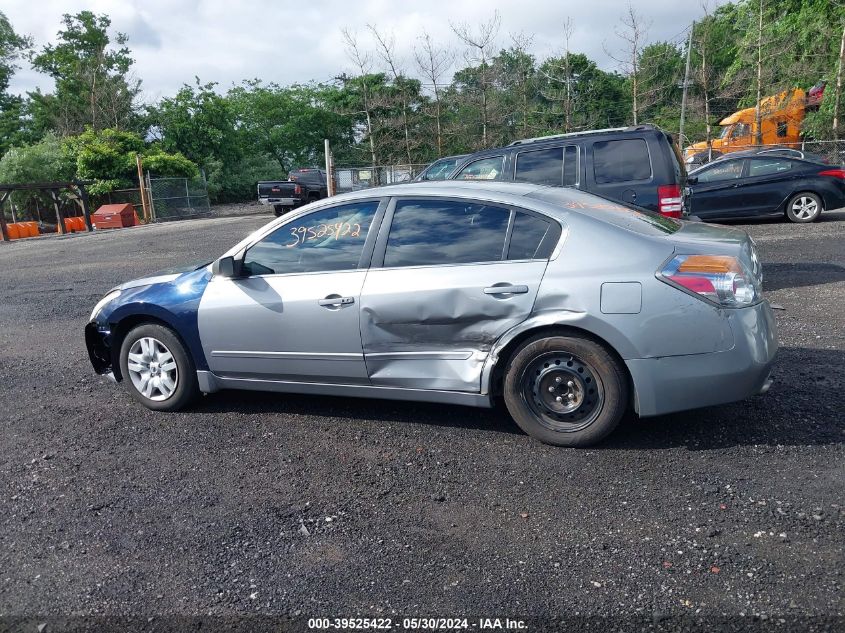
766 184
449 277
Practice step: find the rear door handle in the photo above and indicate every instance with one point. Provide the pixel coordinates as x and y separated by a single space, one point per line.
336 301
506 290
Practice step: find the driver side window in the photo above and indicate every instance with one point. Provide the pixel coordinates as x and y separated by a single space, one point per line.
729 170
326 240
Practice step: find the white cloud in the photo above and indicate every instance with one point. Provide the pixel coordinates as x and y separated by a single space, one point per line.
287 42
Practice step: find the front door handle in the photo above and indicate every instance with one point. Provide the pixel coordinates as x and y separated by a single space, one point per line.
336 301
506 289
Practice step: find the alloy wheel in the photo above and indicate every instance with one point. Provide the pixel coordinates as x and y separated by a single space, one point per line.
152 369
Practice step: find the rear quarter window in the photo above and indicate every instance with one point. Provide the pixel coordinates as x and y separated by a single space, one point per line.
621 161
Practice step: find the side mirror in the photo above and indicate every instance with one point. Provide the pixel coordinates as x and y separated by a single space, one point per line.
692 180
226 267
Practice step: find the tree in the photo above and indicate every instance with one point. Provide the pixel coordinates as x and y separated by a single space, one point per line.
516 74
595 98
360 84
12 125
433 62
44 161
199 123
633 33
477 80
401 84
93 82
288 124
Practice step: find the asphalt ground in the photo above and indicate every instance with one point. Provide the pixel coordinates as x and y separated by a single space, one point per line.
259 511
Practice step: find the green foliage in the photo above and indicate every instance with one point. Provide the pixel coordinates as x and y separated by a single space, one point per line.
45 161
199 123
162 163
288 124
108 157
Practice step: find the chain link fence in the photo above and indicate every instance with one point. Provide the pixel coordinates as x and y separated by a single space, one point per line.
355 178
830 152
178 198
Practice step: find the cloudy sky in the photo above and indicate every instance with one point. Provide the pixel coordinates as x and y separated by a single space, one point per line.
283 41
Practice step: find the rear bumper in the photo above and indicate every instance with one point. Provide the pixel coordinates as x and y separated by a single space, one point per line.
282 202
677 383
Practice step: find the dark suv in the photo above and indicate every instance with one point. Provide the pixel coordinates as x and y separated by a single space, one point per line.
639 165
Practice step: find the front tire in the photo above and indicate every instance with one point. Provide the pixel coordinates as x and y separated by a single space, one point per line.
565 390
157 369
804 207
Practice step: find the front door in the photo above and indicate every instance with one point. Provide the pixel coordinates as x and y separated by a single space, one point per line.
294 315
447 281
716 193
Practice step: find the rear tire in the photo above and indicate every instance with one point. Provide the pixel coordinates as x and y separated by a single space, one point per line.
565 390
804 207
279 210
157 368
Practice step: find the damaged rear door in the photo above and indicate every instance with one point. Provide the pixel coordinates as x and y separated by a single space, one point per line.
448 278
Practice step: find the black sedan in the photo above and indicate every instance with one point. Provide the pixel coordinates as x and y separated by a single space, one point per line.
761 185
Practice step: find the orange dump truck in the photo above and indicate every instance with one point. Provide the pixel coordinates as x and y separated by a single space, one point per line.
781 116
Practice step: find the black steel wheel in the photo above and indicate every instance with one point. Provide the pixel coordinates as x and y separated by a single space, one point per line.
565 390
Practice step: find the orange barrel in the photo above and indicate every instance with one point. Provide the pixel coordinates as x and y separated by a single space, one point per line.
77 224
13 231
32 228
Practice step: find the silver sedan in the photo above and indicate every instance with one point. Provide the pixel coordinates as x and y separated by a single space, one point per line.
569 307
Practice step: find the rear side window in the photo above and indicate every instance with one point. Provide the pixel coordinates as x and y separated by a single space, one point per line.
767 166
426 232
543 166
483 169
621 161
553 166
527 236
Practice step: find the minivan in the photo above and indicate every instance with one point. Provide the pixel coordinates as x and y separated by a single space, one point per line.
638 165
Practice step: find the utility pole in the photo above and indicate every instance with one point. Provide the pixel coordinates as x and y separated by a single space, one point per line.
330 188
838 85
684 94
758 123
141 188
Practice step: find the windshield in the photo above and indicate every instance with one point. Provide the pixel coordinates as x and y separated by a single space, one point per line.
439 169
725 131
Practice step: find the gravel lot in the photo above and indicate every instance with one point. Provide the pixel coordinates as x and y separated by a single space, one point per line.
257 505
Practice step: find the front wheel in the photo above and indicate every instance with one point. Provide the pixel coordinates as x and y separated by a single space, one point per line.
157 368
565 390
804 207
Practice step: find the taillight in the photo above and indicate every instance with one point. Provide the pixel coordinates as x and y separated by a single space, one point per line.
669 200
297 189
833 173
721 279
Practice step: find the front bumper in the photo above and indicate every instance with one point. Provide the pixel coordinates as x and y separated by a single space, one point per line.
677 383
99 351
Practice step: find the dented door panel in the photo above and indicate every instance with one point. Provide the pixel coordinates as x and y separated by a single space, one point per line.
432 327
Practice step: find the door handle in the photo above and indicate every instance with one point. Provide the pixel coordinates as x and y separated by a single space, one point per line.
506 289
336 301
